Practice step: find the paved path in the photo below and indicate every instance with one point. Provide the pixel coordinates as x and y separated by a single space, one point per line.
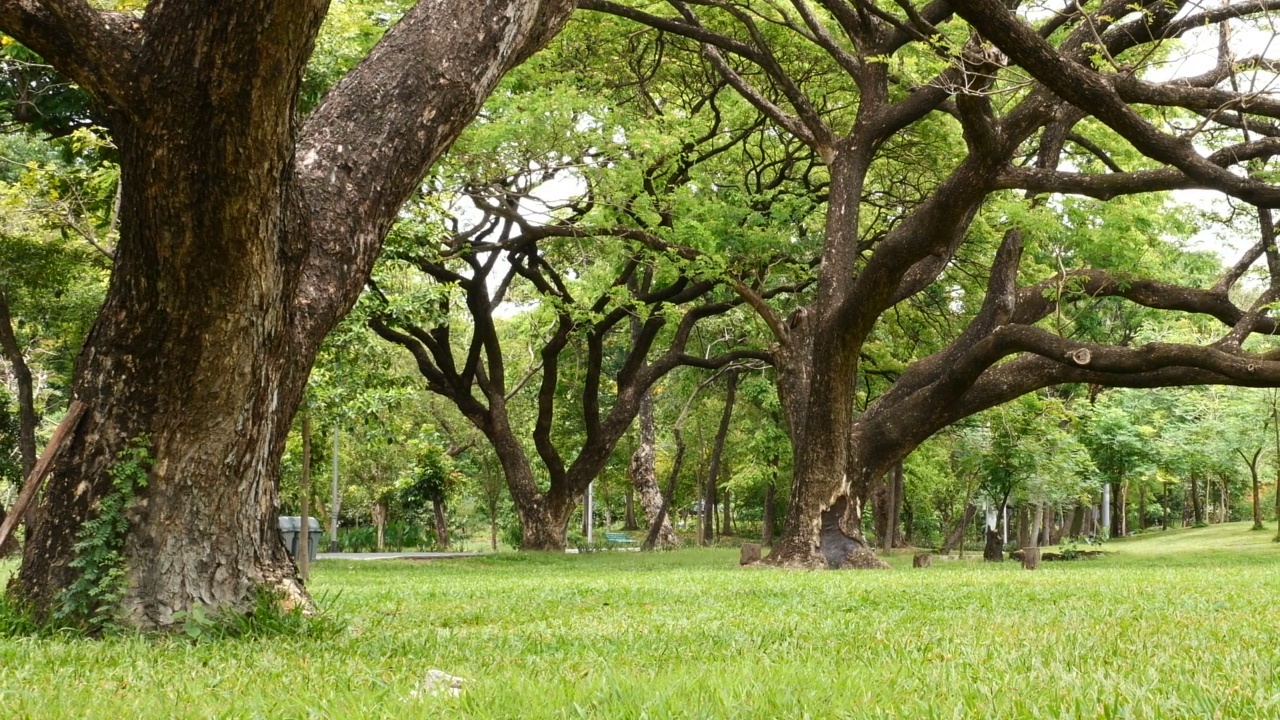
396 556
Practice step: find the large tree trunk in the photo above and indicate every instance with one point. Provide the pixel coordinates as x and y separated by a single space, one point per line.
192 351
1197 509
644 474
544 517
244 238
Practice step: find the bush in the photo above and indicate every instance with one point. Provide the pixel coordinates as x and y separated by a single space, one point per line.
512 535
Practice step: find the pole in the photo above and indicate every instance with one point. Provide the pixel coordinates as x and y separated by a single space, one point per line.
591 518
1106 507
333 506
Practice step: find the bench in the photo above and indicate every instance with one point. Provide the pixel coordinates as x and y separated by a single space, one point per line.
617 538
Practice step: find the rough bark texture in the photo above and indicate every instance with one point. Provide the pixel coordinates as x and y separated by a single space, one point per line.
644 474
441 524
244 237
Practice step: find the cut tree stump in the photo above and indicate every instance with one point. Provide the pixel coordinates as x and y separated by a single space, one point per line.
750 554
922 560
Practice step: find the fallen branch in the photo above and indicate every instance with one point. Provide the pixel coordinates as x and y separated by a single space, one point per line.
32 484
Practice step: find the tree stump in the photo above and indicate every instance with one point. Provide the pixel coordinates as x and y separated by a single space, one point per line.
750 554
922 560
1031 558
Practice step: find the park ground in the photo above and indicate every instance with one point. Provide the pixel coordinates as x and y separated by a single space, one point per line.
1168 625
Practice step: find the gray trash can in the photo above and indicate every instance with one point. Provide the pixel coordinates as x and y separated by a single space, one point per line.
291 528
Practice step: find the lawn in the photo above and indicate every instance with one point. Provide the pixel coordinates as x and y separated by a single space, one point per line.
1178 624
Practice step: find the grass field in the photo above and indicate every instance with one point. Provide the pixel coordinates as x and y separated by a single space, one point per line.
1170 625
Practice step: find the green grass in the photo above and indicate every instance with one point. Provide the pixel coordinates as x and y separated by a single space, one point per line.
1171 625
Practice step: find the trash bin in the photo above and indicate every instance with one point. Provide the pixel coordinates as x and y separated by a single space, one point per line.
291 528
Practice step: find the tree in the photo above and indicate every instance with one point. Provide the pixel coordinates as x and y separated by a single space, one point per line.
428 486
567 307
1046 108
246 233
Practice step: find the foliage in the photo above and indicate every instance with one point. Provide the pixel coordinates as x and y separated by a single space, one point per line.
93 599
430 481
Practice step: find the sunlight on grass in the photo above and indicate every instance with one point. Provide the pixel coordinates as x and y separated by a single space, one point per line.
1170 625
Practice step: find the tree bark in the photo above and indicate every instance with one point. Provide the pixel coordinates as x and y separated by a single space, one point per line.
1257 492
244 237
441 524
379 517
1031 551
993 547
644 473
629 510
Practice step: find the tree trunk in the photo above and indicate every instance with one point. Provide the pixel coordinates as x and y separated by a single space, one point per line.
895 510
1024 525
1031 551
993 550
441 524
710 498
1077 521
766 531
726 514
1124 508
379 516
644 474
629 513
244 237
1197 509
1142 506
27 418
956 538
1164 509
1257 498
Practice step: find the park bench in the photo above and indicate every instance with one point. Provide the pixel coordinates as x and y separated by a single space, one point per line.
617 538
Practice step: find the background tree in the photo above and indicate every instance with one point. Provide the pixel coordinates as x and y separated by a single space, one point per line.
858 81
